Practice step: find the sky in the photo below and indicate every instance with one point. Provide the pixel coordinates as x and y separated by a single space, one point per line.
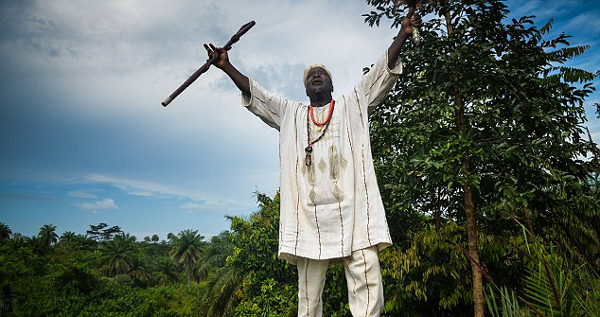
84 138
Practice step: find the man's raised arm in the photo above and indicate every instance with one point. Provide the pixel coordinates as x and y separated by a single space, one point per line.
405 32
241 81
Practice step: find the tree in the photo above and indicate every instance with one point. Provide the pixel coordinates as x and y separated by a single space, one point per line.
215 253
35 243
167 270
155 238
68 238
118 255
5 232
187 250
139 270
484 124
102 233
48 236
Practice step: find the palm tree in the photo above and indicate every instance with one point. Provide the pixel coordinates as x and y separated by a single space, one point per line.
35 242
17 241
117 255
215 253
187 250
155 238
48 236
139 270
5 232
68 238
218 296
167 270
85 241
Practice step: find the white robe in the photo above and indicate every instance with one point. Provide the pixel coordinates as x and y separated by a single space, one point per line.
334 206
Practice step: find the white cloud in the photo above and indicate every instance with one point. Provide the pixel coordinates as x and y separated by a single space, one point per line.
193 206
82 193
146 193
106 204
152 189
135 187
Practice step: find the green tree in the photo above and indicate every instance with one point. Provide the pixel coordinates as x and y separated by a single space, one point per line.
215 253
68 238
187 250
48 236
5 232
35 243
102 232
485 124
551 286
118 255
167 270
140 270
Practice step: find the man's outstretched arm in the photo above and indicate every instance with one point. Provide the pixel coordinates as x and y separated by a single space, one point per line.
406 30
240 80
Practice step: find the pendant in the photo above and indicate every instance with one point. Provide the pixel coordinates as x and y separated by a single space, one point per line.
308 158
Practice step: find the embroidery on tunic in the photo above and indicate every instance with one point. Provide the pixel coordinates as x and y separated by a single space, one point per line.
318 231
366 195
334 172
297 193
297 223
313 196
337 193
322 165
311 174
343 163
334 165
362 153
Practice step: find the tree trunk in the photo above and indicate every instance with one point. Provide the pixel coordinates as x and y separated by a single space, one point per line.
472 238
437 214
461 123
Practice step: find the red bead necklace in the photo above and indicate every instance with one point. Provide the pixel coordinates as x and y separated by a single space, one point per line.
310 113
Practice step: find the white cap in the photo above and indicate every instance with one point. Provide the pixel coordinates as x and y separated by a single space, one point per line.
308 68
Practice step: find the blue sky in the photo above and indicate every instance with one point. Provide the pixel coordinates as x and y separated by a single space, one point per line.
85 140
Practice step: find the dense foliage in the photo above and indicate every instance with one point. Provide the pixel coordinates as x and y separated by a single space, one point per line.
483 132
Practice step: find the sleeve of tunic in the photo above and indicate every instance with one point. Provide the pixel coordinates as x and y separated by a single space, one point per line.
375 85
264 104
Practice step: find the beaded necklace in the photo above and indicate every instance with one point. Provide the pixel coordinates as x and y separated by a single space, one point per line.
312 115
309 115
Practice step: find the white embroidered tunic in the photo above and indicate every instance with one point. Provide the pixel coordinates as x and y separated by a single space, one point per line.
333 206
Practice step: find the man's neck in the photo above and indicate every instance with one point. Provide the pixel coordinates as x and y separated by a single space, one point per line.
320 101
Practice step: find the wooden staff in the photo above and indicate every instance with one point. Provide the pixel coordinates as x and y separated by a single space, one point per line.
209 62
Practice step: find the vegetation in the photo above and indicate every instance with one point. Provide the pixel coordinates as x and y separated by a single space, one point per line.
490 184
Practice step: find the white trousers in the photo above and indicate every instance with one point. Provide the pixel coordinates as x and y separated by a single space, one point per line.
363 278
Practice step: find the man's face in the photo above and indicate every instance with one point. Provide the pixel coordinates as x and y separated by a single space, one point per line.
318 81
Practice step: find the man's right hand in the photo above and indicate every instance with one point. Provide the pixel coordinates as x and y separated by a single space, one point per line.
223 58
222 62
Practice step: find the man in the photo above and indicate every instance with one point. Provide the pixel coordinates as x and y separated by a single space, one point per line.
331 208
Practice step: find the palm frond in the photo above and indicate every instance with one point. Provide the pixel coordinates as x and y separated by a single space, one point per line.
567 74
566 53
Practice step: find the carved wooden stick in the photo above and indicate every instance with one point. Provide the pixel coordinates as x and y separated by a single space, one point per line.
209 62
